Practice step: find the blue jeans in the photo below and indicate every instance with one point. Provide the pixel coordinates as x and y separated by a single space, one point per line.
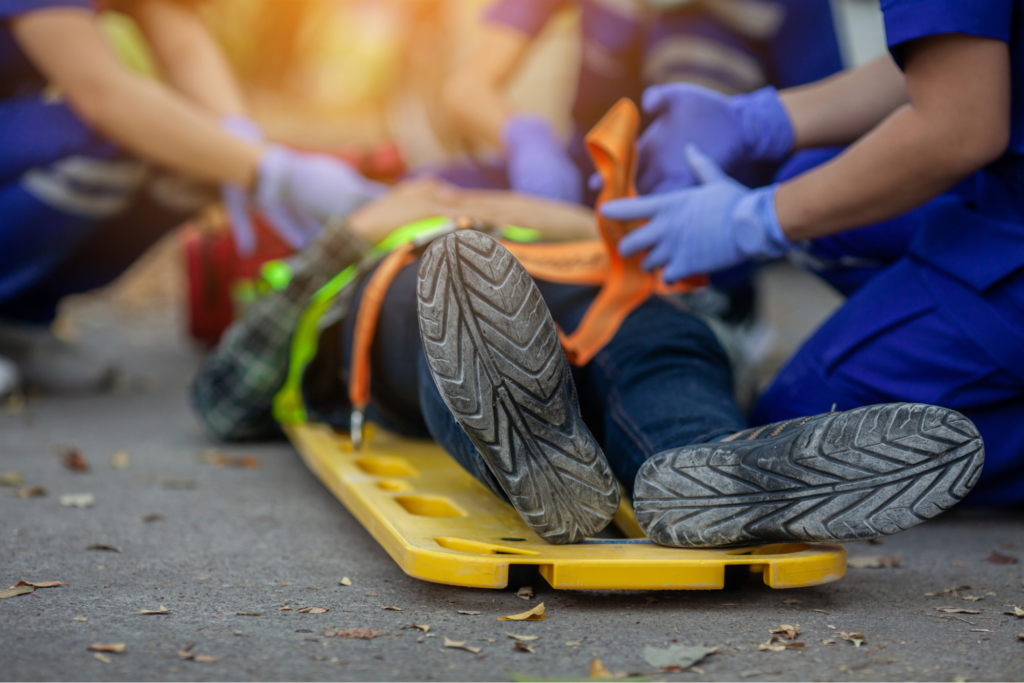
662 382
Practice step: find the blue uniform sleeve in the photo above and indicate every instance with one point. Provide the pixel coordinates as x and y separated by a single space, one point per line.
527 16
907 20
12 8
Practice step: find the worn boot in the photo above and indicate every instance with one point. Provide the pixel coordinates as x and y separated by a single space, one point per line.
50 364
494 354
848 476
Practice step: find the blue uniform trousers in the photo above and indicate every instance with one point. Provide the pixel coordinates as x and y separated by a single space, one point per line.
75 211
933 315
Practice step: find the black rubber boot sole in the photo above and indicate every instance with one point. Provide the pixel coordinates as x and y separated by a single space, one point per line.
494 354
848 476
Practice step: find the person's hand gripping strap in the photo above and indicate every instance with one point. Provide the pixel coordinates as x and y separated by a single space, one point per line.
703 229
749 127
538 163
299 192
234 197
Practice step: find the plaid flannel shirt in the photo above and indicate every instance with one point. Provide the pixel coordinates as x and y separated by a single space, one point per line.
235 387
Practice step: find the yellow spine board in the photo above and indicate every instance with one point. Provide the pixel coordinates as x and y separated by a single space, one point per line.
440 524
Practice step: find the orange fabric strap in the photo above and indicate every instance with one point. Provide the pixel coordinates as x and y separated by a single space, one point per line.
366 322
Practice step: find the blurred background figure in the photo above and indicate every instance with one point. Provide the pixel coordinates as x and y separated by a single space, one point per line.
100 156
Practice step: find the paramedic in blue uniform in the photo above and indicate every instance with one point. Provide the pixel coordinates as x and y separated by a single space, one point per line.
731 46
97 162
919 219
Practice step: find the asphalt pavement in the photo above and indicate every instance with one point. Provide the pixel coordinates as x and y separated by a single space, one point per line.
225 548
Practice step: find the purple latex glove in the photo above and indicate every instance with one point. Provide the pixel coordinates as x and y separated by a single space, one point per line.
537 161
751 127
234 197
702 229
303 191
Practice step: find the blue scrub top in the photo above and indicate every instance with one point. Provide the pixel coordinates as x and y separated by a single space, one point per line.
617 35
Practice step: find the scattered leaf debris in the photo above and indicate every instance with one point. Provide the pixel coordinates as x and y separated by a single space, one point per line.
159 610
78 500
790 601
356 633
33 492
953 591
11 479
468 612
151 517
573 643
461 645
828 641
778 644
15 591
316 610
119 460
857 639
520 646
998 558
526 593
1017 612
246 462
73 459
80 618
40 584
104 547
248 614
786 631
187 654
525 639
957 610
676 656
345 581
391 608
102 657
535 614
116 648
422 627
598 669
873 562
286 608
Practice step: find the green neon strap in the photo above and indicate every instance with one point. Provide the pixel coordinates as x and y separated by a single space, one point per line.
288 407
277 274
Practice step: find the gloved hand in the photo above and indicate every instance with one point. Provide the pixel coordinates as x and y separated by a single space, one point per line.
701 229
300 192
537 161
751 127
234 197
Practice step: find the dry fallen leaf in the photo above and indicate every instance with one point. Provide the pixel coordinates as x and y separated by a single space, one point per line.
790 601
573 643
519 637
857 639
423 627
33 492
957 610
151 517
998 558
777 644
160 610
523 647
355 633
316 610
248 462
535 614
468 612
78 500
393 609
526 593
104 547
1017 612
73 459
80 618
248 614
16 590
286 608
787 631
873 562
599 670
39 584
972 598
828 641
116 648
461 645
819 610
345 581
11 479
949 591
677 657
119 460
102 657
186 653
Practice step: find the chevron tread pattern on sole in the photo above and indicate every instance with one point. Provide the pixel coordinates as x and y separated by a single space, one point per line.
493 352
849 476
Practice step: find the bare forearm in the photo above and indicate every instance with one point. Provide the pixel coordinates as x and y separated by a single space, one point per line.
841 109
190 61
